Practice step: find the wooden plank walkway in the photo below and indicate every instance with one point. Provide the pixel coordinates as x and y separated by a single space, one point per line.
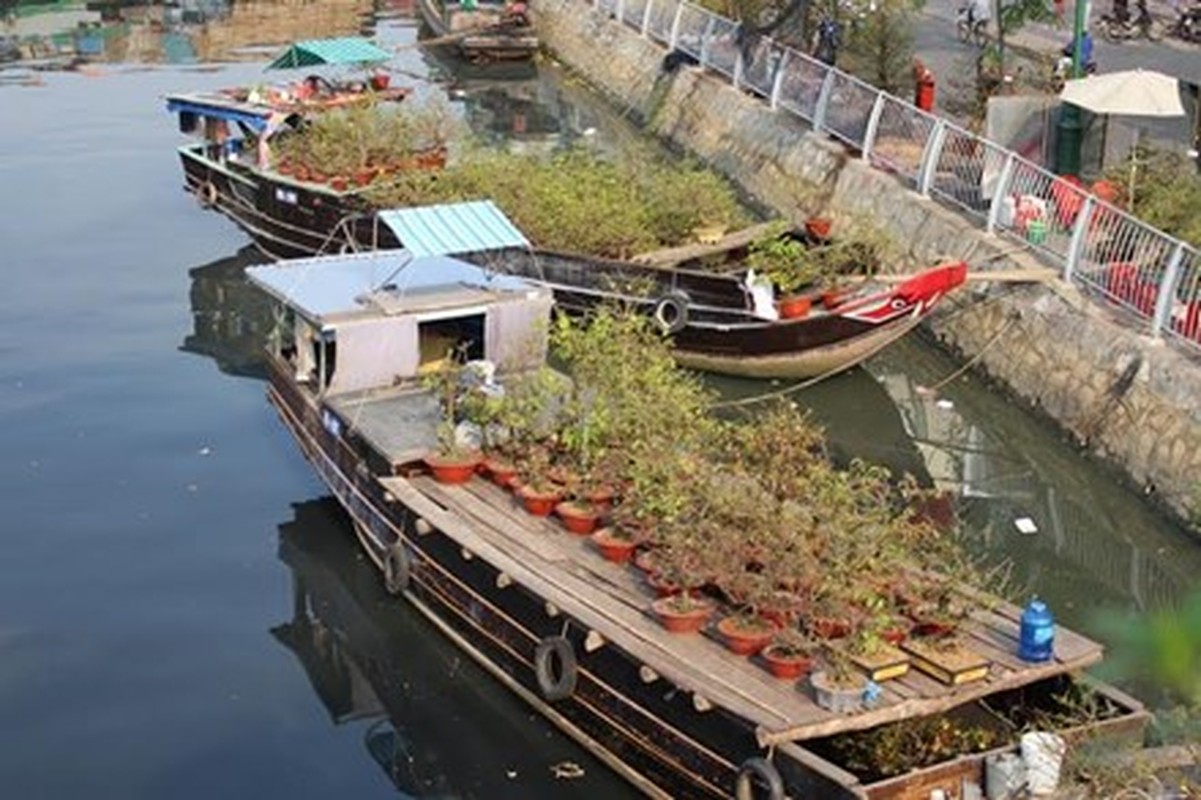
614 601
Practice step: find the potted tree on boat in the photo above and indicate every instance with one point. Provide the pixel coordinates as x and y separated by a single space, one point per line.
452 462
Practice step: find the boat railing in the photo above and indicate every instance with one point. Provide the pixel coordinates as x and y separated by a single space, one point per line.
1152 276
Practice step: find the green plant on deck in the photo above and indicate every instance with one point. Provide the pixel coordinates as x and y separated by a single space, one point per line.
576 201
445 382
788 263
899 747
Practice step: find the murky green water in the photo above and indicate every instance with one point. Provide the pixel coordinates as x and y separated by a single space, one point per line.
183 615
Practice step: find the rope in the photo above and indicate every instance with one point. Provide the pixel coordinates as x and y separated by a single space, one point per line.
971 362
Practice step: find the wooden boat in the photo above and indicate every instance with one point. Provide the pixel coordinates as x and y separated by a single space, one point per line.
482 31
543 613
711 317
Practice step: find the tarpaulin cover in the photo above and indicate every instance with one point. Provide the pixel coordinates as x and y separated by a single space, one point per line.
346 50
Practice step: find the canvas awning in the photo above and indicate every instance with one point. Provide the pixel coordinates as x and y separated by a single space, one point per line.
453 228
314 52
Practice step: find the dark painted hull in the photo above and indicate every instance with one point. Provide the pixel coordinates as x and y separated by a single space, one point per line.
651 735
286 219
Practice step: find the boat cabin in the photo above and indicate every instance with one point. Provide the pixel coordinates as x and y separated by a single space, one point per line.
359 331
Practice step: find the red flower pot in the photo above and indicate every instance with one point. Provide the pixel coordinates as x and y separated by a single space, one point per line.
745 637
818 227
364 177
613 548
338 184
380 81
679 617
502 473
895 636
784 664
794 307
452 469
832 298
539 503
579 518
601 499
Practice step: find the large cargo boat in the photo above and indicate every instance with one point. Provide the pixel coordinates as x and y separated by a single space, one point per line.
565 629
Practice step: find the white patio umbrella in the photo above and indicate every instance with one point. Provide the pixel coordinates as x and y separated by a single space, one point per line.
1130 93
1135 93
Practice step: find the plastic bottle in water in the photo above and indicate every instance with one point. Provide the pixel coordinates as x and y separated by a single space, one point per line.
1036 640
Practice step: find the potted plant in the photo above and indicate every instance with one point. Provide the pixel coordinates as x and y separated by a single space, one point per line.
578 516
539 494
791 267
789 654
745 633
684 612
617 543
451 462
838 686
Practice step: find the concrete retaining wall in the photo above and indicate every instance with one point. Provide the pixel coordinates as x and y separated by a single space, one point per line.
1131 400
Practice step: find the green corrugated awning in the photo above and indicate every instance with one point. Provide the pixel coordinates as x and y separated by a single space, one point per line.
313 52
453 229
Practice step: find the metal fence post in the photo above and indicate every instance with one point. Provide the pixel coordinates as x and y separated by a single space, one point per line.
873 122
823 101
1167 291
705 39
1079 235
674 41
646 17
777 80
619 10
738 68
930 157
999 191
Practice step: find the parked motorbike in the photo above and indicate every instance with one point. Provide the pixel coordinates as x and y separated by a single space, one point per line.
1141 25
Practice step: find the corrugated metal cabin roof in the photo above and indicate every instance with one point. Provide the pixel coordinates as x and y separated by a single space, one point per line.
453 228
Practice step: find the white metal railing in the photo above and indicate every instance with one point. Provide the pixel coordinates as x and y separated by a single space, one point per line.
1099 247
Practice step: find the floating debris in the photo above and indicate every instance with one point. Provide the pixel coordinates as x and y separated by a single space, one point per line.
567 770
1025 525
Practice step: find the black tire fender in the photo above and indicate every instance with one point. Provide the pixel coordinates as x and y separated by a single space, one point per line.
556 668
206 193
758 779
397 569
671 312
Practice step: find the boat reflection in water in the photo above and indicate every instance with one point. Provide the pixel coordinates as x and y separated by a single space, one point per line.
231 318
429 717
1093 543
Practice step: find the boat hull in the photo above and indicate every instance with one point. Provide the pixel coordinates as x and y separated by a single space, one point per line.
289 219
501 44
653 736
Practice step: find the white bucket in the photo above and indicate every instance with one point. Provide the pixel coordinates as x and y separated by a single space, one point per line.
1043 754
1004 776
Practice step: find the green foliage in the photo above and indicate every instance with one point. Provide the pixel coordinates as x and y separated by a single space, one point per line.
879 47
1163 648
897 748
1167 192
344 141
576 201
788 263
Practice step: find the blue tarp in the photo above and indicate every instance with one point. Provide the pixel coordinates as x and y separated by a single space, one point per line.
347 50
326 285
453 228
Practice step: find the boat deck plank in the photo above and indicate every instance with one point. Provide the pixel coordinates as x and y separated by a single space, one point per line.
614 601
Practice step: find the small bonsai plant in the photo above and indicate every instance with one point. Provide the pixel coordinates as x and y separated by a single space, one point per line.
451 462
789 654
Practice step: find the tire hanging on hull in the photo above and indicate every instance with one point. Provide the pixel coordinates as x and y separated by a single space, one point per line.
556 668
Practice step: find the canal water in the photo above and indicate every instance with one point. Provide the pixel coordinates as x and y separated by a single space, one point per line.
183 612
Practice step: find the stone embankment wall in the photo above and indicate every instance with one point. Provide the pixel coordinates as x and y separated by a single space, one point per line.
1129 399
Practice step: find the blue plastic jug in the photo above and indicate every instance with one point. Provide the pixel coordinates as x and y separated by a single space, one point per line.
1036 640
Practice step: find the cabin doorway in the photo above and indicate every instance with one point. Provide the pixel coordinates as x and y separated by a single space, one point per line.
460 338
